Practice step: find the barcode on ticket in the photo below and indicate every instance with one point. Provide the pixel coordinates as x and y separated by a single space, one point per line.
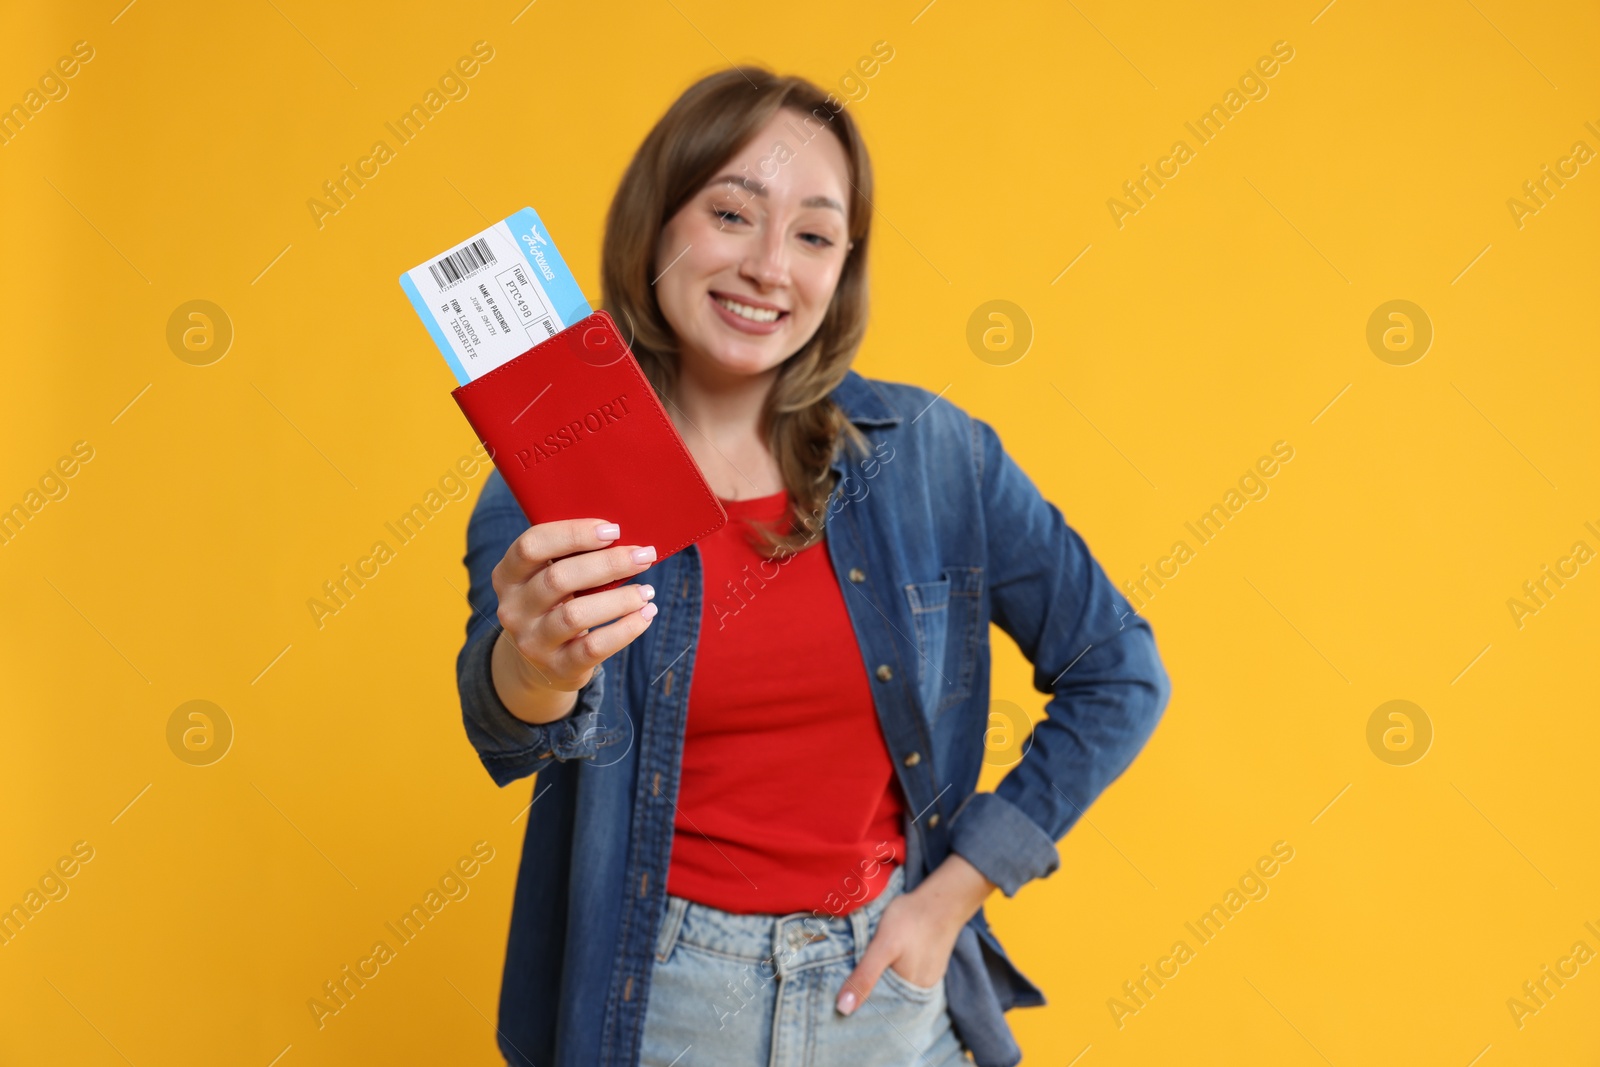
467 260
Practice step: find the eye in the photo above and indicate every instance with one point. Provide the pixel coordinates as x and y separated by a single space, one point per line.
816 240
725 216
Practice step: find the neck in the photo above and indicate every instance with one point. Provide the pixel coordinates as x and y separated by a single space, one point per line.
719 416
723 406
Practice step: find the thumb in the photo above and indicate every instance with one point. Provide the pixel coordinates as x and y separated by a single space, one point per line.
859 985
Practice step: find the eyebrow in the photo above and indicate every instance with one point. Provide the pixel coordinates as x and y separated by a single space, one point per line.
756 188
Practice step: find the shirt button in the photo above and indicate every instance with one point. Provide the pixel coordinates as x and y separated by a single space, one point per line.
884 672
933 820
913 759
857 576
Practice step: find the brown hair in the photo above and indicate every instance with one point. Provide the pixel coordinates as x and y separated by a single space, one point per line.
700 132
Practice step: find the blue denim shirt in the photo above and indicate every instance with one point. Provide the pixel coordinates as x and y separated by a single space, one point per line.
933 535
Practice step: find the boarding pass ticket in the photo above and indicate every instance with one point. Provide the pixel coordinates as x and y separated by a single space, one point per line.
496 295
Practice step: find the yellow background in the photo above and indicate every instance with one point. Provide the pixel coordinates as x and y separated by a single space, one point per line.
1224 316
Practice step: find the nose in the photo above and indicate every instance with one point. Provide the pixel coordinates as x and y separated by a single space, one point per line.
767 264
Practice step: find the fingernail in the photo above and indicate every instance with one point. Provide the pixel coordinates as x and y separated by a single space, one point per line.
608 531
647 591
644 555
847 1002
648 611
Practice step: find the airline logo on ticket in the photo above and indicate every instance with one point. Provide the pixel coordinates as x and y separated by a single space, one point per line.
496 295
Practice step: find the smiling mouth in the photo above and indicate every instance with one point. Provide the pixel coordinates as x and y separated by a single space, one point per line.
748 311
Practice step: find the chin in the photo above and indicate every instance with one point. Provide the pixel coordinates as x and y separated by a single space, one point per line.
746 359
746 356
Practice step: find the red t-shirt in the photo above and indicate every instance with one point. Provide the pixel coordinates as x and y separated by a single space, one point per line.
788 800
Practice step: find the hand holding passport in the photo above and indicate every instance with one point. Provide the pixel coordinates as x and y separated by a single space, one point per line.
566 413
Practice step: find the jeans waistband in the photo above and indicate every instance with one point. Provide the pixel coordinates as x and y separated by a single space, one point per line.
783 943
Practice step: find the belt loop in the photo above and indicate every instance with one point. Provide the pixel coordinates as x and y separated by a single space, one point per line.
860 932
671 923
782 951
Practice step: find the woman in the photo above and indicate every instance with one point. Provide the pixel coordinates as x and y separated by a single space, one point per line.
755 836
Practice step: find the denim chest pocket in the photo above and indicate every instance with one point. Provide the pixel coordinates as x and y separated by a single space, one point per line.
945 619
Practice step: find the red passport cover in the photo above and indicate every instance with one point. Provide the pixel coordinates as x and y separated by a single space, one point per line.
576 430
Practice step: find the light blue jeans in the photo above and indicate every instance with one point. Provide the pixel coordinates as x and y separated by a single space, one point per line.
732 990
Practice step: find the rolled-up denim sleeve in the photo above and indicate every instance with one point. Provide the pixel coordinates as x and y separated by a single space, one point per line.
508 747
1090 652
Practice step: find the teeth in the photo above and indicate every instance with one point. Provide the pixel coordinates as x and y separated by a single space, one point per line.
745 311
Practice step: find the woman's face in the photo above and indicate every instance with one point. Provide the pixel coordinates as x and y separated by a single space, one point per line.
746 269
